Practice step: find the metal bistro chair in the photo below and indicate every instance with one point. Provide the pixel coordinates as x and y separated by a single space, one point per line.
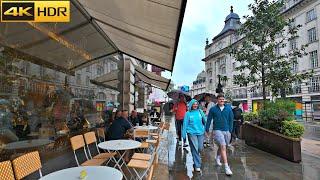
77 142
6 171
27 164
101 135
143 134
144 164
90 138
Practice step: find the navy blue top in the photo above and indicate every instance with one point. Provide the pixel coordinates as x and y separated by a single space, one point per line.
222 120
118 129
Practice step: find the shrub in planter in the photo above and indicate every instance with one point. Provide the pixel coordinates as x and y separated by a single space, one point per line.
292 129
273 114
251 117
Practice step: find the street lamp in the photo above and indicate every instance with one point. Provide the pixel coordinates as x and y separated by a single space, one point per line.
219 88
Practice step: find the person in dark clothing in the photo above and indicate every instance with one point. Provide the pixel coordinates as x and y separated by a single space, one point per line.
237 121
107 116
119 127
135 119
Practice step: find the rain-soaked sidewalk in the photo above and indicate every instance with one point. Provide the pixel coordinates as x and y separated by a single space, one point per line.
246 163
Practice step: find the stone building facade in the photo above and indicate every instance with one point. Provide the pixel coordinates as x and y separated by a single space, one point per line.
306 94
199 85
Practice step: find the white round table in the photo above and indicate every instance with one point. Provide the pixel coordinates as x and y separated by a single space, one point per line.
93 173
146 127
120 147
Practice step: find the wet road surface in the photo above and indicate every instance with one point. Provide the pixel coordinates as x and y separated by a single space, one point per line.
246 163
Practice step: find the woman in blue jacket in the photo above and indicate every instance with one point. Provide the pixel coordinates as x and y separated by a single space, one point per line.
194 127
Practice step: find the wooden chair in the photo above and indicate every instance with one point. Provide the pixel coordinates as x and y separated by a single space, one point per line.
90 138
143 134
6 171
27 164
77 142
143 165
101 134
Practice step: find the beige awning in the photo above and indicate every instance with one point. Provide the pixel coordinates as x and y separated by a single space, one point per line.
109 80
152 78
148 30
59 46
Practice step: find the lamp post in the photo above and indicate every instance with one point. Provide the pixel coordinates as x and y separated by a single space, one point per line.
219 88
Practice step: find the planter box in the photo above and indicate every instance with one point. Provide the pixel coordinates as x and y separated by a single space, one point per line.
272 142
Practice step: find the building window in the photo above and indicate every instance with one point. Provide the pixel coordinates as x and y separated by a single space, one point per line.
312 34
78 79
100 70
315 84
293 43
311 15
294 67
87 81
88 69
314 59
210 81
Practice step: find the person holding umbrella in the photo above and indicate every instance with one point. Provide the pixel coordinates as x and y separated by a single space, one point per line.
180 109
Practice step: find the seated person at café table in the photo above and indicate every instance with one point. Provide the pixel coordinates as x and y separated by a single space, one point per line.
119 127
135 119
155 115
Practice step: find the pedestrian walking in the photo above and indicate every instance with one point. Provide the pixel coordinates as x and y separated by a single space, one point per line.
180 109
208 105
222 117
237 121
194 128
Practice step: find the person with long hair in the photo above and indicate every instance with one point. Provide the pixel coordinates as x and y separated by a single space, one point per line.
194 128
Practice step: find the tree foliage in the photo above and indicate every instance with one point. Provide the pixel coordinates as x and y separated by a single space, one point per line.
264 34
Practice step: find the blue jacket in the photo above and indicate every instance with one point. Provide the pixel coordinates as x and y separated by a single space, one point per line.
194 121
222 120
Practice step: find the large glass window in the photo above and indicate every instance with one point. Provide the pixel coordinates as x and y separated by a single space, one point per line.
312 35
314 59
311 15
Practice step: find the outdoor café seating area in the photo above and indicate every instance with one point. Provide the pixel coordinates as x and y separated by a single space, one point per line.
96 158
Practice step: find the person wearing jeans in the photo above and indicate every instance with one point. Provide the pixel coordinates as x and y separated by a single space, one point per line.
180 109
194 128
222 117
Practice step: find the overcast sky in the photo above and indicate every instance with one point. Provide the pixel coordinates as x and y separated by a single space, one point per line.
203 19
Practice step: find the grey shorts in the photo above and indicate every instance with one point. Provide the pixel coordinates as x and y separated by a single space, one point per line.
222 137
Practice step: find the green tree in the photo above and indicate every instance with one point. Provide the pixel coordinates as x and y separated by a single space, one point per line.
264 34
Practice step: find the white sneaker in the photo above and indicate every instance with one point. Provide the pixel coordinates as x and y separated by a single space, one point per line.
198 169
228 170
180 143
218 161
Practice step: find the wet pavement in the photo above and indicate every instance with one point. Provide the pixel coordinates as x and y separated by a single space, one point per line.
246 163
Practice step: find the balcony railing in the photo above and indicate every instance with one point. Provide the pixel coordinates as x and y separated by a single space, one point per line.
239 96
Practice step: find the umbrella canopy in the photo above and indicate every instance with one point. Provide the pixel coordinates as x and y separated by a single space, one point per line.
174 94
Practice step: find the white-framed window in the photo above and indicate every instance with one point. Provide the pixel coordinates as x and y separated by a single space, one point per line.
315 84
312 35
88 68
100 70
311 15
293 43
294 67
314 61
78 79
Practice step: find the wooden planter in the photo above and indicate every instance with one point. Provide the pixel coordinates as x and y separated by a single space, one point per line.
272 142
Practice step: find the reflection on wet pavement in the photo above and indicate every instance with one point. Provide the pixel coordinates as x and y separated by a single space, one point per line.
246 163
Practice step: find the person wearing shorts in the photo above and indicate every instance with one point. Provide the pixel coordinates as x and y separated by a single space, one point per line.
221 116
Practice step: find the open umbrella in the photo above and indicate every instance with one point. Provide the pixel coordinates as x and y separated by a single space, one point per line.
174 94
